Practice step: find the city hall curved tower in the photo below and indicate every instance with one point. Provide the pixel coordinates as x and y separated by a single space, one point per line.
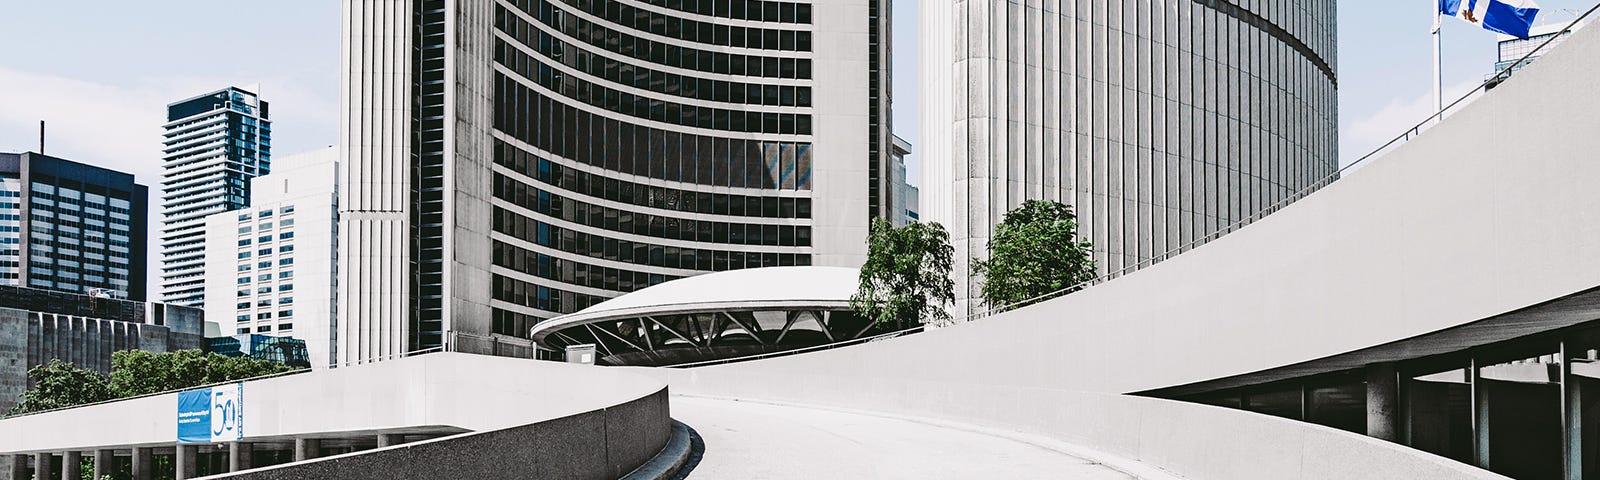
1161 122
509 161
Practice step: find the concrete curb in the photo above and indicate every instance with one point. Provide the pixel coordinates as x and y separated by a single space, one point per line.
673 457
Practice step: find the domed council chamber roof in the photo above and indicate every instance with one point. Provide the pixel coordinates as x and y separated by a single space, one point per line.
809 287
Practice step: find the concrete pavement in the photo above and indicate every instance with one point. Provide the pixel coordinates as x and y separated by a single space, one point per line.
748 440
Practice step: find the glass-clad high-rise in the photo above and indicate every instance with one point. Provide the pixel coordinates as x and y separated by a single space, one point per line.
71 227
1161 122
213 145
514 160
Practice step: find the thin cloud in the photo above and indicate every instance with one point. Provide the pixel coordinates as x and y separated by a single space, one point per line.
1362 135
119 126
113 127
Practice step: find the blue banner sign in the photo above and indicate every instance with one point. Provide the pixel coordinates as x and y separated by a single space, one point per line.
211 415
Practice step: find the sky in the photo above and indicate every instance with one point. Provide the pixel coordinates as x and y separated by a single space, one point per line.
101 72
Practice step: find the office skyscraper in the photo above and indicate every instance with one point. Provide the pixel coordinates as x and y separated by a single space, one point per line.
539 156
1162 123
213 145
71 227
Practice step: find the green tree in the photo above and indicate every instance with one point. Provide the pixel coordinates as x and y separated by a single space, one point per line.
136 372
906 278
60 384
1035 252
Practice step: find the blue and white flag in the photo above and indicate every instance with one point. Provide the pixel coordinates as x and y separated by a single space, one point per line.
1511 17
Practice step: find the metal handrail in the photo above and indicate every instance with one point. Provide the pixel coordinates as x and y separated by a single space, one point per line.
1230 228
208 385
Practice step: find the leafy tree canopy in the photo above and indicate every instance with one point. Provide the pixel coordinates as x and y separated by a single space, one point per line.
906 278
59 384
1034 252
137 372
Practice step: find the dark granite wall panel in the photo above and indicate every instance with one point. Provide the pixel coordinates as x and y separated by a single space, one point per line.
600 444
13 356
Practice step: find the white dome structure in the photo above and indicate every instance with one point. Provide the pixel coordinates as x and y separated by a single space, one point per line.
715 316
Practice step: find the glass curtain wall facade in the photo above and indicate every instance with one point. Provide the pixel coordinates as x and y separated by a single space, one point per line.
10 227
624 159
1160 123
70 227
617 145
213 145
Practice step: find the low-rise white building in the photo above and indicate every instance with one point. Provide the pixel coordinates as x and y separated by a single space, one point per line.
279 278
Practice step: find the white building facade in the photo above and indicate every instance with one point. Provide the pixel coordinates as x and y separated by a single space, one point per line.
540 156
271 268
1161 123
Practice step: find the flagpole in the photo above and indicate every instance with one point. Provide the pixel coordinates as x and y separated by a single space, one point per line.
1438 63
1439 66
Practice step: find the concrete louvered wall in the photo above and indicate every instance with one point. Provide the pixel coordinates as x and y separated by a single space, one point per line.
374 202
1160 121
29 339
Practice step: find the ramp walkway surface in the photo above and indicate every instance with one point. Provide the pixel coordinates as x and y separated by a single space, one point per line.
751 440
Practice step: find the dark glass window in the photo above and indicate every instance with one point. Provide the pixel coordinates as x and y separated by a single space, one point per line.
650 154
621 43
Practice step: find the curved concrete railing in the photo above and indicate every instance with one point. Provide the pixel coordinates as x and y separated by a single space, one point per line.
601 444
1490 211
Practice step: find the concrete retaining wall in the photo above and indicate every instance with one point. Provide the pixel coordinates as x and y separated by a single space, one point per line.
601 444
470 392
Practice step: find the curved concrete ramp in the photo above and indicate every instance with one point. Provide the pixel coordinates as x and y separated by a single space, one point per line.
1491 211
761 440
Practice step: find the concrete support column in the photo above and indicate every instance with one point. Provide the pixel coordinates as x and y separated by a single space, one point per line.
307 448
239 456
1305 402
1383 402
185 461
105 463
144 459
1571 417
71 465
19 467
390 439
1480 415
41 466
